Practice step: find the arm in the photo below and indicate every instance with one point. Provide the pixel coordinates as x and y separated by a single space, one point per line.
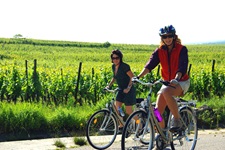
183 62
110 83
143 72
151 64
178 76
131 75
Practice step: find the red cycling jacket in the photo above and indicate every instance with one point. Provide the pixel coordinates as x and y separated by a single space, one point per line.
176 61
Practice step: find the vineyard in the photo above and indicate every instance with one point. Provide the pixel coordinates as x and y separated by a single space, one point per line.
74 73
48 71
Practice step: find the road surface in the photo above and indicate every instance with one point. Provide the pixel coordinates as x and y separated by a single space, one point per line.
207 140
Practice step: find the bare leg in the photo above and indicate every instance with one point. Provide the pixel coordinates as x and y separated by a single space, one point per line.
119 104
161 105
168 94
129 109
165 98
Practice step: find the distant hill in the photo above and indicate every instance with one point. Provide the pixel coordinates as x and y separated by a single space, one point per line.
216 42
210 42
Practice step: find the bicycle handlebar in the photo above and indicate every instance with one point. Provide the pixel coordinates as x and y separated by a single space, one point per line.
166 83
111 91
185 102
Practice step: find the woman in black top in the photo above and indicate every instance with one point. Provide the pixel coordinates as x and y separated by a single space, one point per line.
122 74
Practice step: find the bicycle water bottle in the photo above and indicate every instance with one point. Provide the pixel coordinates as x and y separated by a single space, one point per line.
157 115
120 110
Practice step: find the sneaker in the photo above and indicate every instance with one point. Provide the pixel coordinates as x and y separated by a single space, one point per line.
176 125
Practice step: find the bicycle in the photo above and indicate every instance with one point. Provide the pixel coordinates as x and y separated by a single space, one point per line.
143 121
102 127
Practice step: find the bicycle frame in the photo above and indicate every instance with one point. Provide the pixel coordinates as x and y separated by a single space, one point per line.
151 116
112 108
165 134
104 124
113 111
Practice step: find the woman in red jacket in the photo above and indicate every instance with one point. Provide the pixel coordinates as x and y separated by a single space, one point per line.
173 58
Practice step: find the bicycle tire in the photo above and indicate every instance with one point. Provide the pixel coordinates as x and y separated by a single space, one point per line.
101 129
134 134
187 138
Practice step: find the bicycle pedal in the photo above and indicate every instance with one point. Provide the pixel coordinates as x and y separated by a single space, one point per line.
176 130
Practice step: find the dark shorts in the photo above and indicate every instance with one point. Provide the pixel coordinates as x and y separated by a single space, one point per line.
129 98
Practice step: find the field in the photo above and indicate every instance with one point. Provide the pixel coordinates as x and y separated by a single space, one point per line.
37 71
60 60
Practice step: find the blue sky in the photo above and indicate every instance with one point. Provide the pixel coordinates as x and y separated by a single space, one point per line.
116 21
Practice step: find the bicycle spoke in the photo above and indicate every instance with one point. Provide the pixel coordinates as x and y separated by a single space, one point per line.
187 138
137 132
101 129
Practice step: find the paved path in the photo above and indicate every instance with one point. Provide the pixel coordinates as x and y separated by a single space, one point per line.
208 140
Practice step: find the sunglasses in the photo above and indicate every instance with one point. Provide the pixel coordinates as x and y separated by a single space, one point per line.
167 36
117 58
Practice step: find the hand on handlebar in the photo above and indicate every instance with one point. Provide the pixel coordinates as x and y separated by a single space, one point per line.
134 79
106 88
174 82
169 83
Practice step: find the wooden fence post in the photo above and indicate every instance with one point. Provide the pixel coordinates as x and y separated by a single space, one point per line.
26 74
95 91
213 65
35 66
189 69
77 87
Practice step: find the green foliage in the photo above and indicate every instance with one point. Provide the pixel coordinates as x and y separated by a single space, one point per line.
53 77
18 36
31 117
212 118
59 144
50 79
106 44
22 117
15 85
80 141
19 40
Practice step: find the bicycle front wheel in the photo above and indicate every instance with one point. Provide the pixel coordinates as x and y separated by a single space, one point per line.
187 138
101 129
138 132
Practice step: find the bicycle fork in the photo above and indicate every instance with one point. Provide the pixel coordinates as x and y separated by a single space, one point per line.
105 122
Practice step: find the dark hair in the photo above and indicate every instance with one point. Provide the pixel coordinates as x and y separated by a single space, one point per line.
118 53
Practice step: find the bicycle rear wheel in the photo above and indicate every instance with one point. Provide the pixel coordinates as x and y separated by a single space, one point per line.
187 138
138 132
101 129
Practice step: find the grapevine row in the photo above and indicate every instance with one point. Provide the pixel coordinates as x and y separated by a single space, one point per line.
59 87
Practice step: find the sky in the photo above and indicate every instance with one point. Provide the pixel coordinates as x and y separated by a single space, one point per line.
115 21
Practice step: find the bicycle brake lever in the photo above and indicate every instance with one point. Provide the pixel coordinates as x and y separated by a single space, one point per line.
167 83
134 80
104 90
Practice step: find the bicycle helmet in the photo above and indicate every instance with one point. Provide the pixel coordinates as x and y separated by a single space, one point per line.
166 30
